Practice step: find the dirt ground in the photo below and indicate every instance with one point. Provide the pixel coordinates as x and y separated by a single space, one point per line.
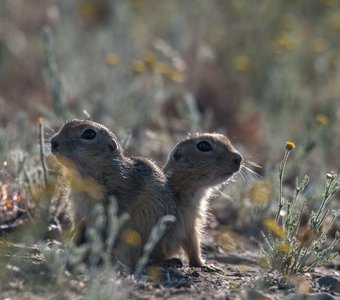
237 275
231 274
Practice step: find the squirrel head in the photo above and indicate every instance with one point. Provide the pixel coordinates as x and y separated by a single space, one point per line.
87 146
208 159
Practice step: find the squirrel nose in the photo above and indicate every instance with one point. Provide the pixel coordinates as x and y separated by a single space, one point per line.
237 159
54 145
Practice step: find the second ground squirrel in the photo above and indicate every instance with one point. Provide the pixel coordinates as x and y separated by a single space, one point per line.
196 164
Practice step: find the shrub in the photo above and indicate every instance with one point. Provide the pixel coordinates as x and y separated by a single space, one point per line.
291 247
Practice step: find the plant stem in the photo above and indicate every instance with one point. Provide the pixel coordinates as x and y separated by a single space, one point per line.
330 191
281 173
42 152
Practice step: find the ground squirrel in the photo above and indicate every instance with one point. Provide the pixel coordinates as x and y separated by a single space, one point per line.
196 164
99 169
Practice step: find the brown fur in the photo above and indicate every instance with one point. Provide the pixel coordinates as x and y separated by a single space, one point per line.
191 173
98 169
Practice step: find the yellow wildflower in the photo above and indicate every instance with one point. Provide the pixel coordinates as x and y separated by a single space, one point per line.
154 273
150 57
260 193
162 68
138 66
131 237
322 119
283 248
284 43
242 63
290 145
263 262
273 227
111 59
177 76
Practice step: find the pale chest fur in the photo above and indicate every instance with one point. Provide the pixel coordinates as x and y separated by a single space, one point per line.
192 212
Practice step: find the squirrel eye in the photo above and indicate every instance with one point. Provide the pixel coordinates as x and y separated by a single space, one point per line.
204 146
88 134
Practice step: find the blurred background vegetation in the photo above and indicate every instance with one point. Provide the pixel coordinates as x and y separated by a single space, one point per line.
262 72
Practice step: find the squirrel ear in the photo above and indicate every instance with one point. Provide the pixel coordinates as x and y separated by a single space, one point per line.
177 154
113 146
